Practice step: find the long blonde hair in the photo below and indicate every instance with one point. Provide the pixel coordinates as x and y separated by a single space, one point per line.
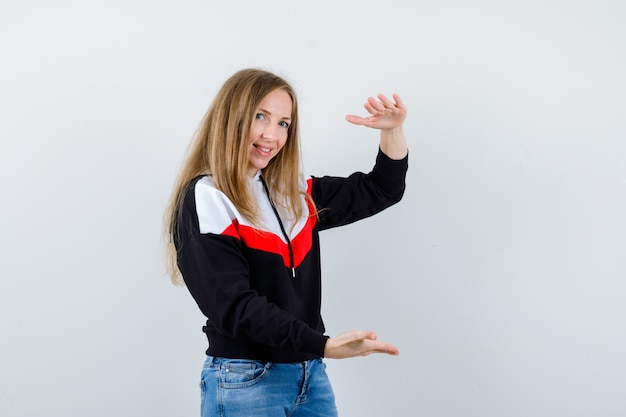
220 146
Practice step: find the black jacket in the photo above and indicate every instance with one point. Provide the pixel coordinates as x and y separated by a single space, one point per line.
260 287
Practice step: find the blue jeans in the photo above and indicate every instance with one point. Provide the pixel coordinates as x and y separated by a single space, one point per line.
241 388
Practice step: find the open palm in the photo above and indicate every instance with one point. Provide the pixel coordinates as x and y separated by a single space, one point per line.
385 113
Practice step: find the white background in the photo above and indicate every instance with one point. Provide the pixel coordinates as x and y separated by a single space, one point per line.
501 276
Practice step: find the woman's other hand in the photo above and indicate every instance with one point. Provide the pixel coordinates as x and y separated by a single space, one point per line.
356 343
387 116
385 113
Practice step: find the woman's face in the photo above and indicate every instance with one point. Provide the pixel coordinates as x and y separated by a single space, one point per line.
269 130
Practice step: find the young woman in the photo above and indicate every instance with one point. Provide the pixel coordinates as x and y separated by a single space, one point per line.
243 229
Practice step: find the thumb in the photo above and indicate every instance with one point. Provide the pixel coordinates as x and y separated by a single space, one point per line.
371 335
357 120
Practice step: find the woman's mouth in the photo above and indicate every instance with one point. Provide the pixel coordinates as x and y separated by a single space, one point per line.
263 150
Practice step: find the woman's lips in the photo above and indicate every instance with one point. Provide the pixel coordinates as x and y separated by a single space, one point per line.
263 150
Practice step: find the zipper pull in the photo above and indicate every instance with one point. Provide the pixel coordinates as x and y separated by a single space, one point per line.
293 272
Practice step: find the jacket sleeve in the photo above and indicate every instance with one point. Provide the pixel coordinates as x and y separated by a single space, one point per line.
341 201
215 271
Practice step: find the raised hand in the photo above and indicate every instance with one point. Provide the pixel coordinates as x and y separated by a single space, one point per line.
356 343
387 116
385 113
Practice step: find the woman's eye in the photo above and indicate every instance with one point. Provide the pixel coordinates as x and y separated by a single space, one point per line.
259 116
284 124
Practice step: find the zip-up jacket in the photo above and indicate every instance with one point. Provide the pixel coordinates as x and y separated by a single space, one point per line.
260 285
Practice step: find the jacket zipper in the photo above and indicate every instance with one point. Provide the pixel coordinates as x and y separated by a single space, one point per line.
282 228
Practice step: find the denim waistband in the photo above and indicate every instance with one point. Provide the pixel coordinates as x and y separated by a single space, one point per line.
216 360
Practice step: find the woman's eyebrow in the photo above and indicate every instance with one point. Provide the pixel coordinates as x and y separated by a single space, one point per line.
270 113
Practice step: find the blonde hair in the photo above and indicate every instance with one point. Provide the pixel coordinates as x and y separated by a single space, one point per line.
220 146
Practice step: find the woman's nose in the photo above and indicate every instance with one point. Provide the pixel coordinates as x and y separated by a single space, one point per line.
269 131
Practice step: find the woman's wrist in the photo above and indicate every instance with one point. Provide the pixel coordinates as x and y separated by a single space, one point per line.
393 142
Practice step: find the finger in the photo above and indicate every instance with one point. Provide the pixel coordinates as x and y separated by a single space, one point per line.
390 351
386 102
371 110
371 335
352 336
366 340
398 100
380 107
357 120
382 347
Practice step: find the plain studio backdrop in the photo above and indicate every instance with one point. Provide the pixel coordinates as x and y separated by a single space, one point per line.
501 275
